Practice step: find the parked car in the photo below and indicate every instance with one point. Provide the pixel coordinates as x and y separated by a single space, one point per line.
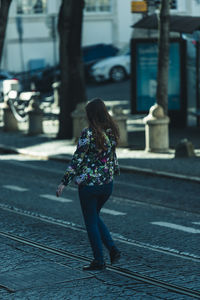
94 53
115 68
4 75
43 79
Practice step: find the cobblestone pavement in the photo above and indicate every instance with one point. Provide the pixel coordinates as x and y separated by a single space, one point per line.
28 209
30 273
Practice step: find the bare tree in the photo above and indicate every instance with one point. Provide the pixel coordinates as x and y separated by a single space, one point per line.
72 89
4 10
163 55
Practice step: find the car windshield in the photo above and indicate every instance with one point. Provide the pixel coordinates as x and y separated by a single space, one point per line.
124 50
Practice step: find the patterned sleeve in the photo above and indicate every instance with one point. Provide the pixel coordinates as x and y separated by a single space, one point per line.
77 159
116 165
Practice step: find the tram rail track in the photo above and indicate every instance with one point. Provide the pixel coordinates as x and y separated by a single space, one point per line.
116 236
118 270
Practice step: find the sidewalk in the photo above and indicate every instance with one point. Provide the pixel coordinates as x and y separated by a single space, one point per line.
132 159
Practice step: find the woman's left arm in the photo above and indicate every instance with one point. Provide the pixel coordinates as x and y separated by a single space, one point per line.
77 159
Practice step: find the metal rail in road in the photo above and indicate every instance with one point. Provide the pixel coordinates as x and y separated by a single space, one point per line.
116 236
121 271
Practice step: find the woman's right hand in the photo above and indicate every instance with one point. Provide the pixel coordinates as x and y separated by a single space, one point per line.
60 189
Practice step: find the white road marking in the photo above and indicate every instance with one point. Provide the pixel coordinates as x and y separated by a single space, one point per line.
177 227
54 198
15 188
38 168
112 212
142 187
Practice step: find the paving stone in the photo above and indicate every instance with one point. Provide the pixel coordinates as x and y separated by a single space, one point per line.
46 273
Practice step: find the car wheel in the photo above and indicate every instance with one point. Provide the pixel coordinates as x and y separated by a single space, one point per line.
117 74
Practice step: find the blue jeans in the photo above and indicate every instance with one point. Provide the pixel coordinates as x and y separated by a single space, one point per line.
92 199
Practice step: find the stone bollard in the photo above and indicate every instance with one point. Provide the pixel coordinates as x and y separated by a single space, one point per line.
10 122
35 116
56 87
121 120
156 130
79 120
184 149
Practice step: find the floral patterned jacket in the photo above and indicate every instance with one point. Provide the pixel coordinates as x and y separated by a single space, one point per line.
91 166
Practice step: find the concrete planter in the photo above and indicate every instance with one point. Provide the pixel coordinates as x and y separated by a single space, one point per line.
10 123
79 120
35 118
121 120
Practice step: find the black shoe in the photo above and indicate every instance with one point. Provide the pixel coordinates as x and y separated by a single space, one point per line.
114 255
94 265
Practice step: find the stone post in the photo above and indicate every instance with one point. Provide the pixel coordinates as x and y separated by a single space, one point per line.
10 122
35 116
121 120
184 148
156 130
56 86
79 120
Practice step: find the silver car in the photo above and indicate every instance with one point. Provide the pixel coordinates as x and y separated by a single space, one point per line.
115 68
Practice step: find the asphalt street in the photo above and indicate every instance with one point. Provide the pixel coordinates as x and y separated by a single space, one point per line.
109 90
155 222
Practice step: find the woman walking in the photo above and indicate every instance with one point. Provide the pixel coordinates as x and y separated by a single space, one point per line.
94 164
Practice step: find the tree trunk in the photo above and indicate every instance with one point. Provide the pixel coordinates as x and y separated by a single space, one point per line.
4 10
72 89
163 55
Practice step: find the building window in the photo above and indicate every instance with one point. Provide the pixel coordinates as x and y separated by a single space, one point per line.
97 5
157 3
31 6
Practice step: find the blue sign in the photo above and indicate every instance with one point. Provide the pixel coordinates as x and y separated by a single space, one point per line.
146 81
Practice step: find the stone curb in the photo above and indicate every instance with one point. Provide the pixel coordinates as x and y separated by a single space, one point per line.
123 168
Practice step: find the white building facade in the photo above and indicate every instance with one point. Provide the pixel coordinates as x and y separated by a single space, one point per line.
32 40
31 36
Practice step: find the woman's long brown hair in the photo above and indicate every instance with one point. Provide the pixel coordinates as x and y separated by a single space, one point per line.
99 120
